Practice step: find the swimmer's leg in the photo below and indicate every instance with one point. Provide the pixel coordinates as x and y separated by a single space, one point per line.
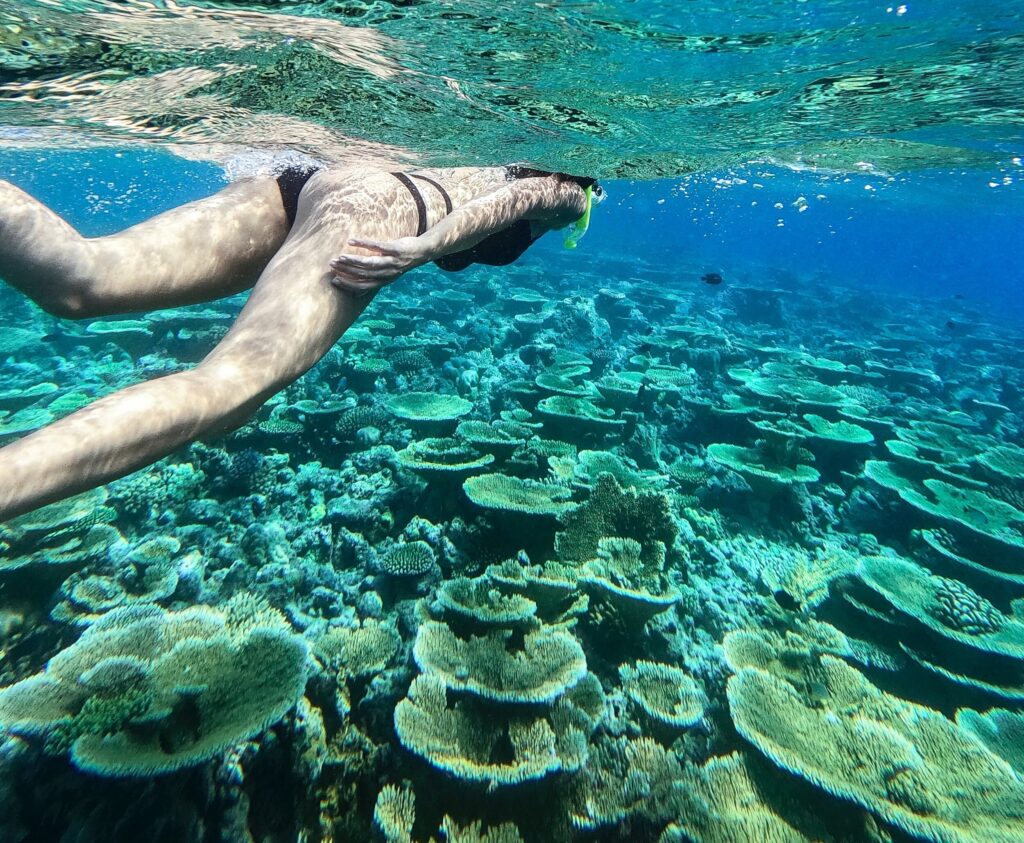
197 252
292 318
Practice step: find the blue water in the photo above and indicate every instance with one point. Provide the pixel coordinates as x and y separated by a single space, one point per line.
933 234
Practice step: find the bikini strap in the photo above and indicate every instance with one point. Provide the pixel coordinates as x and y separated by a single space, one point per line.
441 190
421 206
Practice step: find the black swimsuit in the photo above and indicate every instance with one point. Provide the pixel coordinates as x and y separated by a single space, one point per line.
499 249
291 180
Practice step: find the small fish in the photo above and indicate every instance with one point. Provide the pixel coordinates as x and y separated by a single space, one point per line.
951 325
712 278
958 296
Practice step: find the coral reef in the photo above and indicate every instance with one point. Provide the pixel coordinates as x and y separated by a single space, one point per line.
604 561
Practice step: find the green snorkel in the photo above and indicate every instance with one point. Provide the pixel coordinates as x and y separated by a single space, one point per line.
582 224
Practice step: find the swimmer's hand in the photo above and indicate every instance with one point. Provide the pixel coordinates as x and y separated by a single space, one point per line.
386 261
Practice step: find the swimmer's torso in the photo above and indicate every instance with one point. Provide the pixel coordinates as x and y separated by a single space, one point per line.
377 205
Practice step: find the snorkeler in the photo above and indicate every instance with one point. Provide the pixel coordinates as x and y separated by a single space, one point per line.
316 243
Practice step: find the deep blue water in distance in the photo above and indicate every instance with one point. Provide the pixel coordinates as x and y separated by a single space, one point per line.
934 234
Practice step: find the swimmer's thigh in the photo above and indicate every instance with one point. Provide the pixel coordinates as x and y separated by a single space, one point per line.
292 318
197 252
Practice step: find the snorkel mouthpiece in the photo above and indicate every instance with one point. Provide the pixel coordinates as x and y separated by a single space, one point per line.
582 224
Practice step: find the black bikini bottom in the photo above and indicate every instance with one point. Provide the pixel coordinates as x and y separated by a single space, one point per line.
291 180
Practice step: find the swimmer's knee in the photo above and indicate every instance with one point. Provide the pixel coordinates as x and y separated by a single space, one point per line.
72 306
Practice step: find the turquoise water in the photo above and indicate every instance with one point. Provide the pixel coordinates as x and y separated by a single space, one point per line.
669 560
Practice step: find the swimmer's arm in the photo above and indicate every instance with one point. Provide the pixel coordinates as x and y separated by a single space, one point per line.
546 201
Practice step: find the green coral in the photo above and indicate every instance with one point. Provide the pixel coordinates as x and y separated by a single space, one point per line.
394 813
429 407
351 421
758 468
578 415
610 510
626 589
514 494
1000 730
74 531
490 438
552 588
356 652
732 800
908 764
946 548
624 779
462 739
145 692
620 390
480 602
589 465
944 605
475 833
548 663
1004 461
664 693
440 458
841 432
557 384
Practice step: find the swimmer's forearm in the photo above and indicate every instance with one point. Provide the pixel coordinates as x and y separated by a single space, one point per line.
540 199
112 437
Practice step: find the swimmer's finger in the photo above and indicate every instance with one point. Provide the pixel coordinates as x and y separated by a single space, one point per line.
373 246
353 285
368 268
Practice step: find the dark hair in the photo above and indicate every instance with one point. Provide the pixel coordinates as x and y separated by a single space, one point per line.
517 171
